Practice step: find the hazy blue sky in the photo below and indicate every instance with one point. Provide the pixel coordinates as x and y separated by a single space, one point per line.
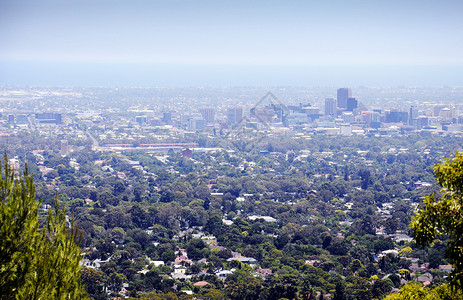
111 42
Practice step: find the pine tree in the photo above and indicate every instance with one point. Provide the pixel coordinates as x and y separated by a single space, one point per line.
18 231
35 263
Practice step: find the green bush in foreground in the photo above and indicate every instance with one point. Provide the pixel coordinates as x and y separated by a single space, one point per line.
442 216
35 263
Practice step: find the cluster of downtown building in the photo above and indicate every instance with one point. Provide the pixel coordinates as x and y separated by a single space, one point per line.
344 115
351 116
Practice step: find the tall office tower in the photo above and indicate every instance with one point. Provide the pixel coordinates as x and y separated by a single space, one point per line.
330 107
375 119
352 104
422 122
367 116
234 115
413 115
167 118
208 114
343 95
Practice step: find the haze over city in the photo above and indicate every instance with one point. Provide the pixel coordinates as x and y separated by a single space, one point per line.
220 43
231 150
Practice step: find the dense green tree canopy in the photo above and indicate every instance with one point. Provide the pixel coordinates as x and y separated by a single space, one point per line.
335 203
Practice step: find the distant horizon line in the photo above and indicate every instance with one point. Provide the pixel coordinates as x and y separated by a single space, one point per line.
226 87
226 75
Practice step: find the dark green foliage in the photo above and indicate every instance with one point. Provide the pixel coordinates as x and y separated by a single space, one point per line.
214 225
242 285
195 249
94 283
35 263
381 288
340 292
